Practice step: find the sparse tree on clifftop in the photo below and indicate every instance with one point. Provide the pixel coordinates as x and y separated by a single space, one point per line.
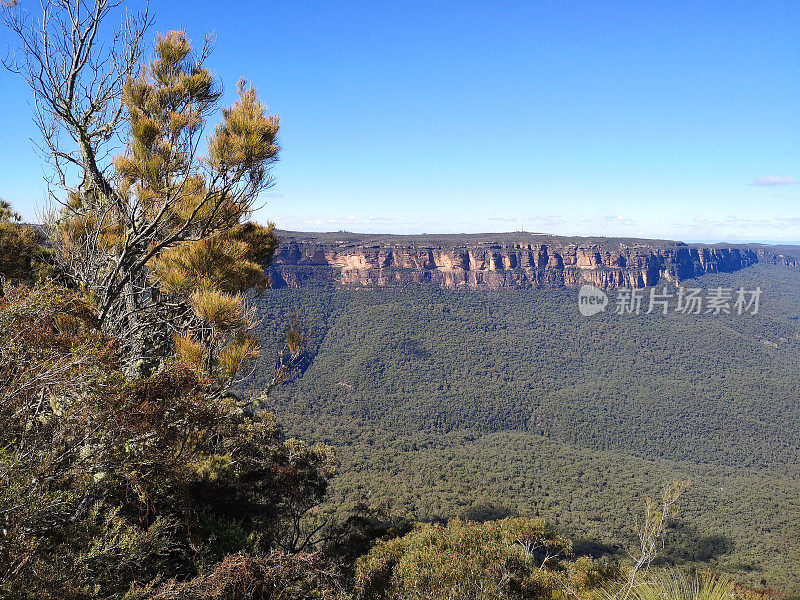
125 470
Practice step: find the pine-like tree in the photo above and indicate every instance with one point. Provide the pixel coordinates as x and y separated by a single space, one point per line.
155 231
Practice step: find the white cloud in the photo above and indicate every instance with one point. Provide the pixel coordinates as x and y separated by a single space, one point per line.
546 221
616 223
771 180
619 219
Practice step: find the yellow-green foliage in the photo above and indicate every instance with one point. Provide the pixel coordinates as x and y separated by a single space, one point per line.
189 352
211 272
236 353
169 99
246 138
167 104
510 558
21 255
215 263
221 310
16 244
586 577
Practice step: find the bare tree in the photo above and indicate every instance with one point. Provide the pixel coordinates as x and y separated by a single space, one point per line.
652 532
76 72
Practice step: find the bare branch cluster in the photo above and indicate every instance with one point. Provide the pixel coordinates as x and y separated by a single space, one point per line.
76 75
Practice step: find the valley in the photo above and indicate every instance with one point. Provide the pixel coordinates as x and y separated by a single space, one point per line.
445 402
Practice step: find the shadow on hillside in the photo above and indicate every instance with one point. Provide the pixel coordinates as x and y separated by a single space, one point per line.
685 543
481 513
594 549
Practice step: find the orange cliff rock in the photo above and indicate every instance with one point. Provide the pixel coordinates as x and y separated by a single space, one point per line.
473 262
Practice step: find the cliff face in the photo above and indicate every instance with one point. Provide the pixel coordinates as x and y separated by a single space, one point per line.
495 265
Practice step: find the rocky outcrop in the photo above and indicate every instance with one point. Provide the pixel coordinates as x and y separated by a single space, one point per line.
550 263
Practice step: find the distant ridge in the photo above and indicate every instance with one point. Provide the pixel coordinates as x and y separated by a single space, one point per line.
513 259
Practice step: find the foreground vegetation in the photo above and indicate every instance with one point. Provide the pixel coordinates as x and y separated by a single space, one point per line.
157 488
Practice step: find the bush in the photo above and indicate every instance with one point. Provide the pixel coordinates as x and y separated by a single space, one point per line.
510 558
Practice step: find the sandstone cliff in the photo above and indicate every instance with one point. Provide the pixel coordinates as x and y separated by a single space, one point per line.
510 260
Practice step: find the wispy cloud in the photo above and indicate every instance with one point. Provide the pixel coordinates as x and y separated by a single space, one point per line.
361 223
344 220
771 180
706 228
619 219
734 228
545 221
731 222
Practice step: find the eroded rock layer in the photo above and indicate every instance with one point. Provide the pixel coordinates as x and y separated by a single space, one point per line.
477 262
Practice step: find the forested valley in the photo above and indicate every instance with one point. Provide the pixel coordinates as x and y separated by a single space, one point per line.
510 402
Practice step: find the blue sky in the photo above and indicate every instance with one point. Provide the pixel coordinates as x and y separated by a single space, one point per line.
654 119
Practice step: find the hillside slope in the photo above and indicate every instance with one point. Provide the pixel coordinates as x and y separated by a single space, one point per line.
440 400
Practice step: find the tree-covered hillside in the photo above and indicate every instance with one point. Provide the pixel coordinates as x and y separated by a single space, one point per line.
448 399
700 388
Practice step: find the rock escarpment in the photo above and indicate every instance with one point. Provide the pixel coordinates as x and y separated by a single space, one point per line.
477 261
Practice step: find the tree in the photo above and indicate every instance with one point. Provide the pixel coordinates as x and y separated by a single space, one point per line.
125 467
152 228
22 256
652 531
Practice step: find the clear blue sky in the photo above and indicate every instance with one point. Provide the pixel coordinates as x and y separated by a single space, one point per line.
656 119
